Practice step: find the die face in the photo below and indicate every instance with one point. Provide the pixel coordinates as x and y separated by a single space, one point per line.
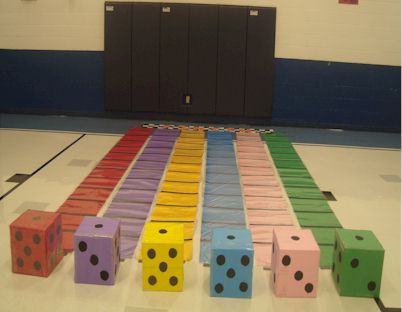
153 255
231 273
36 243
295 263
357 272
94 226
161 278
231 238
163 233
96 260
359 239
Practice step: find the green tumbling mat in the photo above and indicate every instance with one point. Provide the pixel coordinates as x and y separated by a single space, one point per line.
282 150
326 253
289 164
324 236
285 156
287 172
318 219
274 136
310 205
281 144
299 182
307 193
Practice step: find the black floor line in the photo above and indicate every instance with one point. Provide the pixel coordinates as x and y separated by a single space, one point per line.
41 167
383 308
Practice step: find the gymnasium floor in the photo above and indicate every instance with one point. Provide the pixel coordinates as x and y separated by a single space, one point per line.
361 169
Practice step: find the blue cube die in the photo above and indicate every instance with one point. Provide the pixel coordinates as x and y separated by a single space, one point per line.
232 257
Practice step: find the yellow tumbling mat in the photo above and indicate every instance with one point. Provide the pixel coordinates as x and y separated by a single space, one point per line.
175 199
186 159
188 250
191 140
192 134
182 177
180 187
173 213
190 146
187 152
192 168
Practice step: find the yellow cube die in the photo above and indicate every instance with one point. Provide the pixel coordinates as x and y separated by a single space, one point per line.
162 256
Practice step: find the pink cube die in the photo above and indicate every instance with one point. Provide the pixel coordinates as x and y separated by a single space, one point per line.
295 263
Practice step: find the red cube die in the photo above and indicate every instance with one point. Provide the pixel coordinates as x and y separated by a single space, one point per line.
36 242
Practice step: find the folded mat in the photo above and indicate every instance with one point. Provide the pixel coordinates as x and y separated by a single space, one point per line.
174 199
182 177
180 187
268 191
262 254
173 213
253 171
306 193
265 203
289 164
288 172
220 154
143 184
245 155
187 152
269 217
254 163
153 165
223 169
310 205
222 178
226 216
260 180
229 161
299 182
321 219
145 174
192 168
326 256
135 196
222 189
324 236
186 159
222 201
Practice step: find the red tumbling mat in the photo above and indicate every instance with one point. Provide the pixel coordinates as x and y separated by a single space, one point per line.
127 150
113 163
81 207
107 172
119 156
100 182
86 193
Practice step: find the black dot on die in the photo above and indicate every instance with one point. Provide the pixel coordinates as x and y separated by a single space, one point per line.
371 286
274 278
36 239
230 273
245 260
163 266
340 257
173 280
163 231
152 280
20 262
18 236
82 246
243 286
51 238
220 259
308 288
172 253
273 248
298 275
98 226
27 251
358 237
354 263
218 288
231 237
294 237
37 265
286 260
104 275
94 260
151 253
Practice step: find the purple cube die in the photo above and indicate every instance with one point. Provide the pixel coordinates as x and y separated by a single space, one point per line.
96 251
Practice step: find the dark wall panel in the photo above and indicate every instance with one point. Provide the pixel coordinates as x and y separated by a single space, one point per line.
231 60
145 57
260 62
173 57
118 56
202 58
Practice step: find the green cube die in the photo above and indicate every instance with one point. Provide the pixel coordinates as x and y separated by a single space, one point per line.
357 263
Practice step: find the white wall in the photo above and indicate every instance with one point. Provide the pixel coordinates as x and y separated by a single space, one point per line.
369 33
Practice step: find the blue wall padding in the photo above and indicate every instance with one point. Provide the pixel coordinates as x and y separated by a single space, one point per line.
305 92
